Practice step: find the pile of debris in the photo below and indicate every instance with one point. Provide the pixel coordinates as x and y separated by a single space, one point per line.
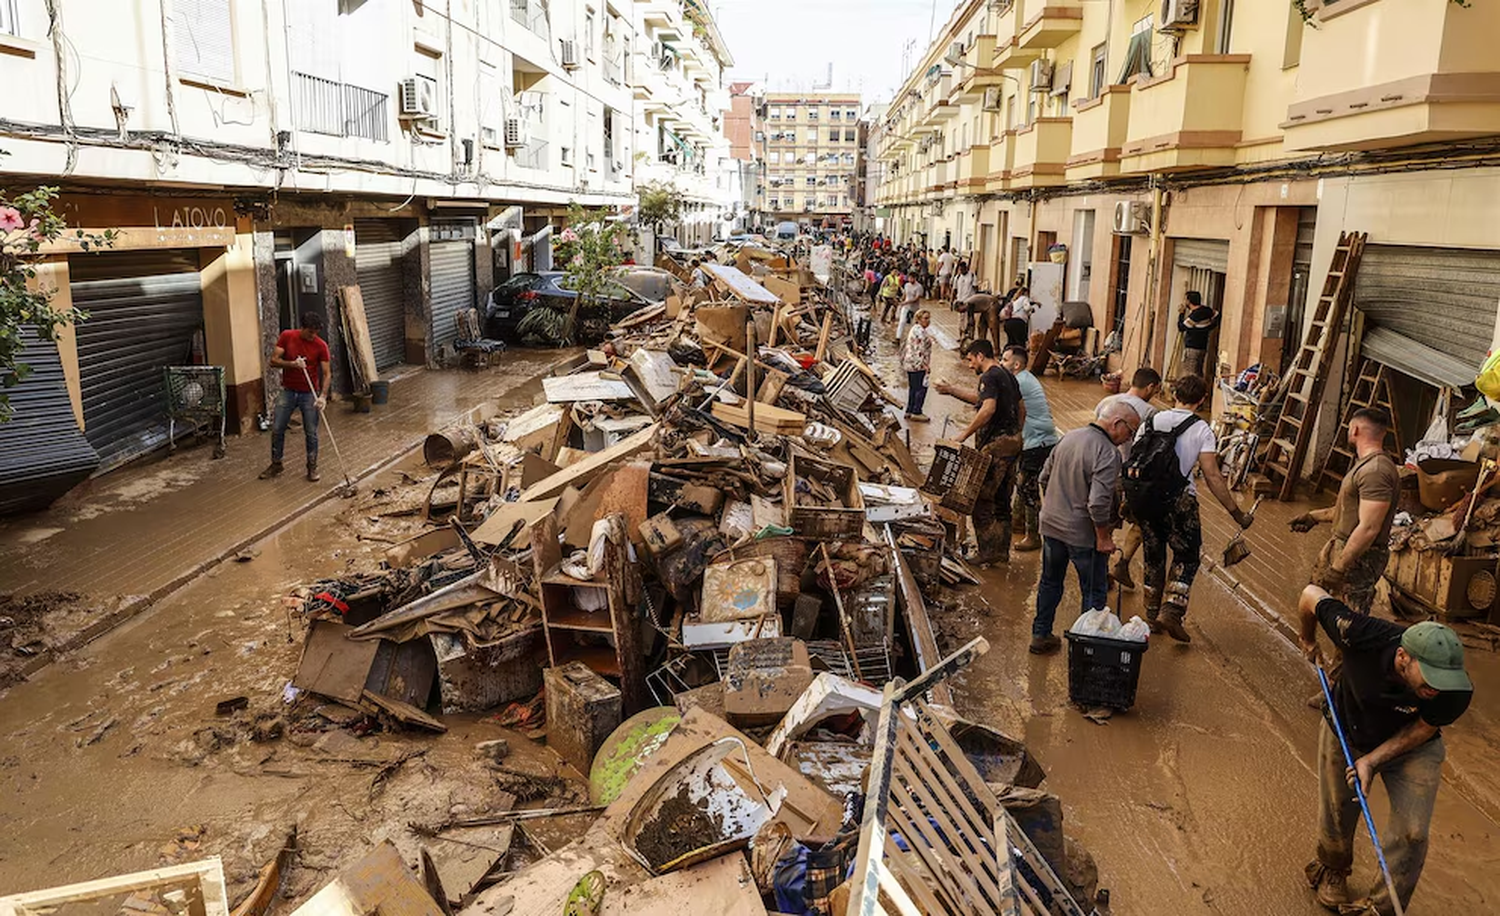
702 562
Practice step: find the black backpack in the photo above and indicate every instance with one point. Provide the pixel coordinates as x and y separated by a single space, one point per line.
1153 477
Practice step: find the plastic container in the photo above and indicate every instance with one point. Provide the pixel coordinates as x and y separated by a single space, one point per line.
361 403
1103 672
380 392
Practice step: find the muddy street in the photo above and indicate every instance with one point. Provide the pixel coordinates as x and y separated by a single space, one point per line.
1199 800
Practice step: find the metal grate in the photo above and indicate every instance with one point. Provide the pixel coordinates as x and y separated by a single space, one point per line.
330 107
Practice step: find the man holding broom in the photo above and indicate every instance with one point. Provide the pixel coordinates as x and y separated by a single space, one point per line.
1397 688
304 361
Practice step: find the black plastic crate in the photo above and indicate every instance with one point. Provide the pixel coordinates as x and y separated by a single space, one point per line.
1102 671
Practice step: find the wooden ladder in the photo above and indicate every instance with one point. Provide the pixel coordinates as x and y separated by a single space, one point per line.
1371 389
1309 371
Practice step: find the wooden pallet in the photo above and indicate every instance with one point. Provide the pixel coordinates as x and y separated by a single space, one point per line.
1308 374
1371 389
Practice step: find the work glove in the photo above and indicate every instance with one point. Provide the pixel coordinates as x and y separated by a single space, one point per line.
300 362
321 402
1242 518
1304 523
1330 580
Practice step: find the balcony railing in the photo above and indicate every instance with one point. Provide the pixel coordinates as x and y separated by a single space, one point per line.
338 109
532 14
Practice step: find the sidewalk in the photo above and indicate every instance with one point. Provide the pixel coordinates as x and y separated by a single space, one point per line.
144 530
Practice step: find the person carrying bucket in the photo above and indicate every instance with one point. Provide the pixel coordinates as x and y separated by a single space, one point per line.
1397 688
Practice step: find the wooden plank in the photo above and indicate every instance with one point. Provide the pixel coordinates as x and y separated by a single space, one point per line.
581 470
587 386
741 286
971 847
334 665
404 713
925 841
269 883
897 872
827 329
378 883
768 418
357 335
873 833
207 875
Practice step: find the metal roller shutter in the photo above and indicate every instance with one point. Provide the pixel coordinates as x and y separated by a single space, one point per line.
144 307
377 265
42 453
452 288
1201 254
1442 298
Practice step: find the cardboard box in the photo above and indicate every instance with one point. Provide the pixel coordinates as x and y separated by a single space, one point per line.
763 678
582 710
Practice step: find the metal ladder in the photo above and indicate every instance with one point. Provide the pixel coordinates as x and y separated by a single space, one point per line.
1371 389
1309 371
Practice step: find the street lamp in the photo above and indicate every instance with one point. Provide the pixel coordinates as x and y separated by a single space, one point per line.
953 61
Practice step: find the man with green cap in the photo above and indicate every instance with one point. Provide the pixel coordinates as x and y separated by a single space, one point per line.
1397 688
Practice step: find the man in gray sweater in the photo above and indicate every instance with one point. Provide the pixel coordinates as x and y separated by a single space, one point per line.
1078 516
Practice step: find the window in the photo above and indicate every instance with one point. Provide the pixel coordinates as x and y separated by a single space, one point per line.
775 114
833 135
1096 71
609 136
833 114
9 22
588 35
567 155
775 203
1138 54
849 135
1226 27
812 114
851 114
812 180
791 113
202 35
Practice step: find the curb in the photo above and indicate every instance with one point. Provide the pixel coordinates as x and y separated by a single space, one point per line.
140 603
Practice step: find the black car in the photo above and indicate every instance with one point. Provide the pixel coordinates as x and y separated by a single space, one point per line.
632 289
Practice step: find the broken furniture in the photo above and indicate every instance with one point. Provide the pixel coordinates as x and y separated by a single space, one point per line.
193 889
583 709
594 621
822 499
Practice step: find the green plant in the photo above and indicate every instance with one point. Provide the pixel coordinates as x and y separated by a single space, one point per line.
590 245
27 223
661 204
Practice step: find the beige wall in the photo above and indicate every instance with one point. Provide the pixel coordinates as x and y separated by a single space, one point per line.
231 320
52 278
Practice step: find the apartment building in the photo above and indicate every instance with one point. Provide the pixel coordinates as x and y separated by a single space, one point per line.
871 173
677 80
257 156
812 155
1126 153
745 127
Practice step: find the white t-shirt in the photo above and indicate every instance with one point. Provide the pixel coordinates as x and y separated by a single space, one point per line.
963 286
945 263
1021 307
913 292
1194 441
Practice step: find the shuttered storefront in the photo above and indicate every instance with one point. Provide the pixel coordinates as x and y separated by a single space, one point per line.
1201 254
1423 300
42 453
452 289
377 264
144 308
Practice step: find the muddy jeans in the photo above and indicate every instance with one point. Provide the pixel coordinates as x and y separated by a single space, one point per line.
1194 362
307 403
1176 526
1029 484
1360 579
992 509
1411 782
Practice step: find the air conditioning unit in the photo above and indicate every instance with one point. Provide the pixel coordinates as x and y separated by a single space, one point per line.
418 98
569 54
1041 75
956 50
992 98
515 133
1132 217
1178 14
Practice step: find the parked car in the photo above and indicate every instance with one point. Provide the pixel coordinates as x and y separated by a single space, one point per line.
786 232
631 288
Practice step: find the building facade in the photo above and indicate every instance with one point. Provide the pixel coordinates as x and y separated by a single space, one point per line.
1125 153
812 155
745 127
256 158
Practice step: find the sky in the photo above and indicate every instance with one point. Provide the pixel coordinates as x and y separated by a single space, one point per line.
788 44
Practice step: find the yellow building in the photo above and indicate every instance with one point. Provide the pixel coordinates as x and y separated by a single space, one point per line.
812 154
1159 146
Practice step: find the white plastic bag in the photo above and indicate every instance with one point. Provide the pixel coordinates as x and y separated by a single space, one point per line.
1137 630
1099 622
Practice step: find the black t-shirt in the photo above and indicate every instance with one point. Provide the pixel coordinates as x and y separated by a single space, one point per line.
1373 702
998 384
1198 327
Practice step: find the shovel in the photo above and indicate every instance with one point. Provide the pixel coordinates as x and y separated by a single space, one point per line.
1238 548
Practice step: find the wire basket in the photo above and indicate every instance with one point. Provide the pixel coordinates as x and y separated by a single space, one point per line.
195 396
956 476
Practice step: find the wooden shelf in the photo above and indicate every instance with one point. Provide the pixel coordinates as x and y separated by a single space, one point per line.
598 658
556 577
574 619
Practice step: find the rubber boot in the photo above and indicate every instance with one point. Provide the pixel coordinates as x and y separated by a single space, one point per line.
1119 570
273 471
1152 600
1003 535
994 544
1174 610
1033 539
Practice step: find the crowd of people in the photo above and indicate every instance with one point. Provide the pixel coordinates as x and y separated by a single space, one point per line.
1130 482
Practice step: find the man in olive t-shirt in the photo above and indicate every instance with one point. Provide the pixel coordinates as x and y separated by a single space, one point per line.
1354 558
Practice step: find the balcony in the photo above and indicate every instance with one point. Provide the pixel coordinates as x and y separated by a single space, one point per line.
1099 134
665 16
975 74
339 109
1010 54
1042 150
937 181
1189 117
1002 158
1045 24
973 170
1383 75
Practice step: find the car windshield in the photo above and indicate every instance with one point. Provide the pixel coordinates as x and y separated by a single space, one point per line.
519 283
648 284
610 289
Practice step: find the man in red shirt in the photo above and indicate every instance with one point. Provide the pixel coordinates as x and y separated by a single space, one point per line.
302 356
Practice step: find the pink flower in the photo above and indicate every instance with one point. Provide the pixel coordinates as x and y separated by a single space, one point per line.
10 219
34 229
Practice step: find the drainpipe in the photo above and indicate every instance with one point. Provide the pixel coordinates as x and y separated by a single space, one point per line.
1153 273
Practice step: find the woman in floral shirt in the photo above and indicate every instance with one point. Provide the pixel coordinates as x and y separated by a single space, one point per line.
916 359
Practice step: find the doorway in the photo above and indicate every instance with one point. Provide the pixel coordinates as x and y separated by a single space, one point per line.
1120 295
1081 258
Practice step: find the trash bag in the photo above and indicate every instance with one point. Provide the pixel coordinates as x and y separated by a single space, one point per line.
1137 630
1488 381
1098 622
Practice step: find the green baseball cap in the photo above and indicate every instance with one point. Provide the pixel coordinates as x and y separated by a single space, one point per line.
1439 655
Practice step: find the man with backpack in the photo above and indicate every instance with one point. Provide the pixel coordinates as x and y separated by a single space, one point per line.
1162 496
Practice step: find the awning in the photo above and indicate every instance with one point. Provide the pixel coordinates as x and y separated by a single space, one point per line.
1417 360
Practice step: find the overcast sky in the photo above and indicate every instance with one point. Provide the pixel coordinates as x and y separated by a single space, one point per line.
789 44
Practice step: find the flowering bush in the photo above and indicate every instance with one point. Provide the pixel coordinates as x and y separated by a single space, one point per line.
27 222
591 244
